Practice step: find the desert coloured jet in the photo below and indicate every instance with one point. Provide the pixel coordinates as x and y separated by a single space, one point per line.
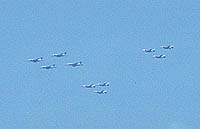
35 60
101 92
75 64
103 84
89 86
60 54
167 47
159 56
48 66
148 50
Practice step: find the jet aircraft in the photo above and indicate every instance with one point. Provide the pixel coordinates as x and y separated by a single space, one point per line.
148 50
159 56
60 54
35 60
48 66
75 64
89 86
167 47
101 92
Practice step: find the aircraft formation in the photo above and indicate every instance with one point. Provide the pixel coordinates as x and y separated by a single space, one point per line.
40 59
151 50
78 64
93 85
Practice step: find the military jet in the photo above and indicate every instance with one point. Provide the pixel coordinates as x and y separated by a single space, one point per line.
148 50
35 60
167 47
159 56
101 92
75 64
48 66
60 54
89 86
103 84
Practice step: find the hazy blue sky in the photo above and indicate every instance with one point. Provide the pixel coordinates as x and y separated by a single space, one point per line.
108 37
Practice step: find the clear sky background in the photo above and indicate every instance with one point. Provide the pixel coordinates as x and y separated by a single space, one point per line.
108 37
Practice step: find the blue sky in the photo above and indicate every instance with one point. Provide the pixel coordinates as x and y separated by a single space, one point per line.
108 37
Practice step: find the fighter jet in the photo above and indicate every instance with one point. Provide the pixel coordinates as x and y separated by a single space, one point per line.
101 92
159 56
148 50
48 66
35 60
60 55
89 86
103 84
75 64
167 47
